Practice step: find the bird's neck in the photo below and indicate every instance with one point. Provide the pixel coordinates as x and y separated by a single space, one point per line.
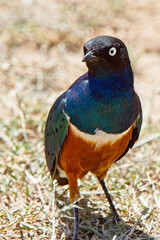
107 84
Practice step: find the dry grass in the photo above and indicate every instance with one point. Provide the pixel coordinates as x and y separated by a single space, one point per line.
41 51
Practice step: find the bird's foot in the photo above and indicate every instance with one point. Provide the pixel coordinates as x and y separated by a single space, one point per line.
116 217
75 237
112 218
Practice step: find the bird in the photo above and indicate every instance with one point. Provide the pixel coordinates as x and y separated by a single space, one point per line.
95 122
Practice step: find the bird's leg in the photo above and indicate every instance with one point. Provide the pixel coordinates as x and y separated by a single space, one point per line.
112 207
76 223
53 210
74 195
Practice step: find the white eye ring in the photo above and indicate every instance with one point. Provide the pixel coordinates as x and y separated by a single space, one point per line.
112 51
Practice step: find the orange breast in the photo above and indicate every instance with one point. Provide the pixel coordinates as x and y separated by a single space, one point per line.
81 153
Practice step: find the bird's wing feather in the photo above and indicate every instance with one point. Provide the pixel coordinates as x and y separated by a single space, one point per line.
55 133
136 130
135 134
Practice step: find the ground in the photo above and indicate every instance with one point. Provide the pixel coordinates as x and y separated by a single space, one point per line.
40 56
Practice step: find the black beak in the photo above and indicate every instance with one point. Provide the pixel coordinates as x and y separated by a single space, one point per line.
88 56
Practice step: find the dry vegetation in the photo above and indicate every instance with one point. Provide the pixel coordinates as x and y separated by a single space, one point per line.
40 56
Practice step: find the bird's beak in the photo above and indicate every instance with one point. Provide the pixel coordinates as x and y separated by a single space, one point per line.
88 56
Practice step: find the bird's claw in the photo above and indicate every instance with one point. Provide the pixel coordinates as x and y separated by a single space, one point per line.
116 217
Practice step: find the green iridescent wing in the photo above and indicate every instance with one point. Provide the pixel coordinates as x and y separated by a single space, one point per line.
135 134
55 134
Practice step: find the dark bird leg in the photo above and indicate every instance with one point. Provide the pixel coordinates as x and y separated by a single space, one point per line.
112 207
76 223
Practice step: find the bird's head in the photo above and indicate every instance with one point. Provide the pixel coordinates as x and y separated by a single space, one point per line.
106 50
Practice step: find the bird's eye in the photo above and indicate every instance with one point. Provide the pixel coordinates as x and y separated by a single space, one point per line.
112 51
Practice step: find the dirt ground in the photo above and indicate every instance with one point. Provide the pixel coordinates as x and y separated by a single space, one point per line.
40 56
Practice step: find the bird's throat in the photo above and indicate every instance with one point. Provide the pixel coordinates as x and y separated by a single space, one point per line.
107 84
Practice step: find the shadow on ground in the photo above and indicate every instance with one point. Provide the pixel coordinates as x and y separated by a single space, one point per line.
94 226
